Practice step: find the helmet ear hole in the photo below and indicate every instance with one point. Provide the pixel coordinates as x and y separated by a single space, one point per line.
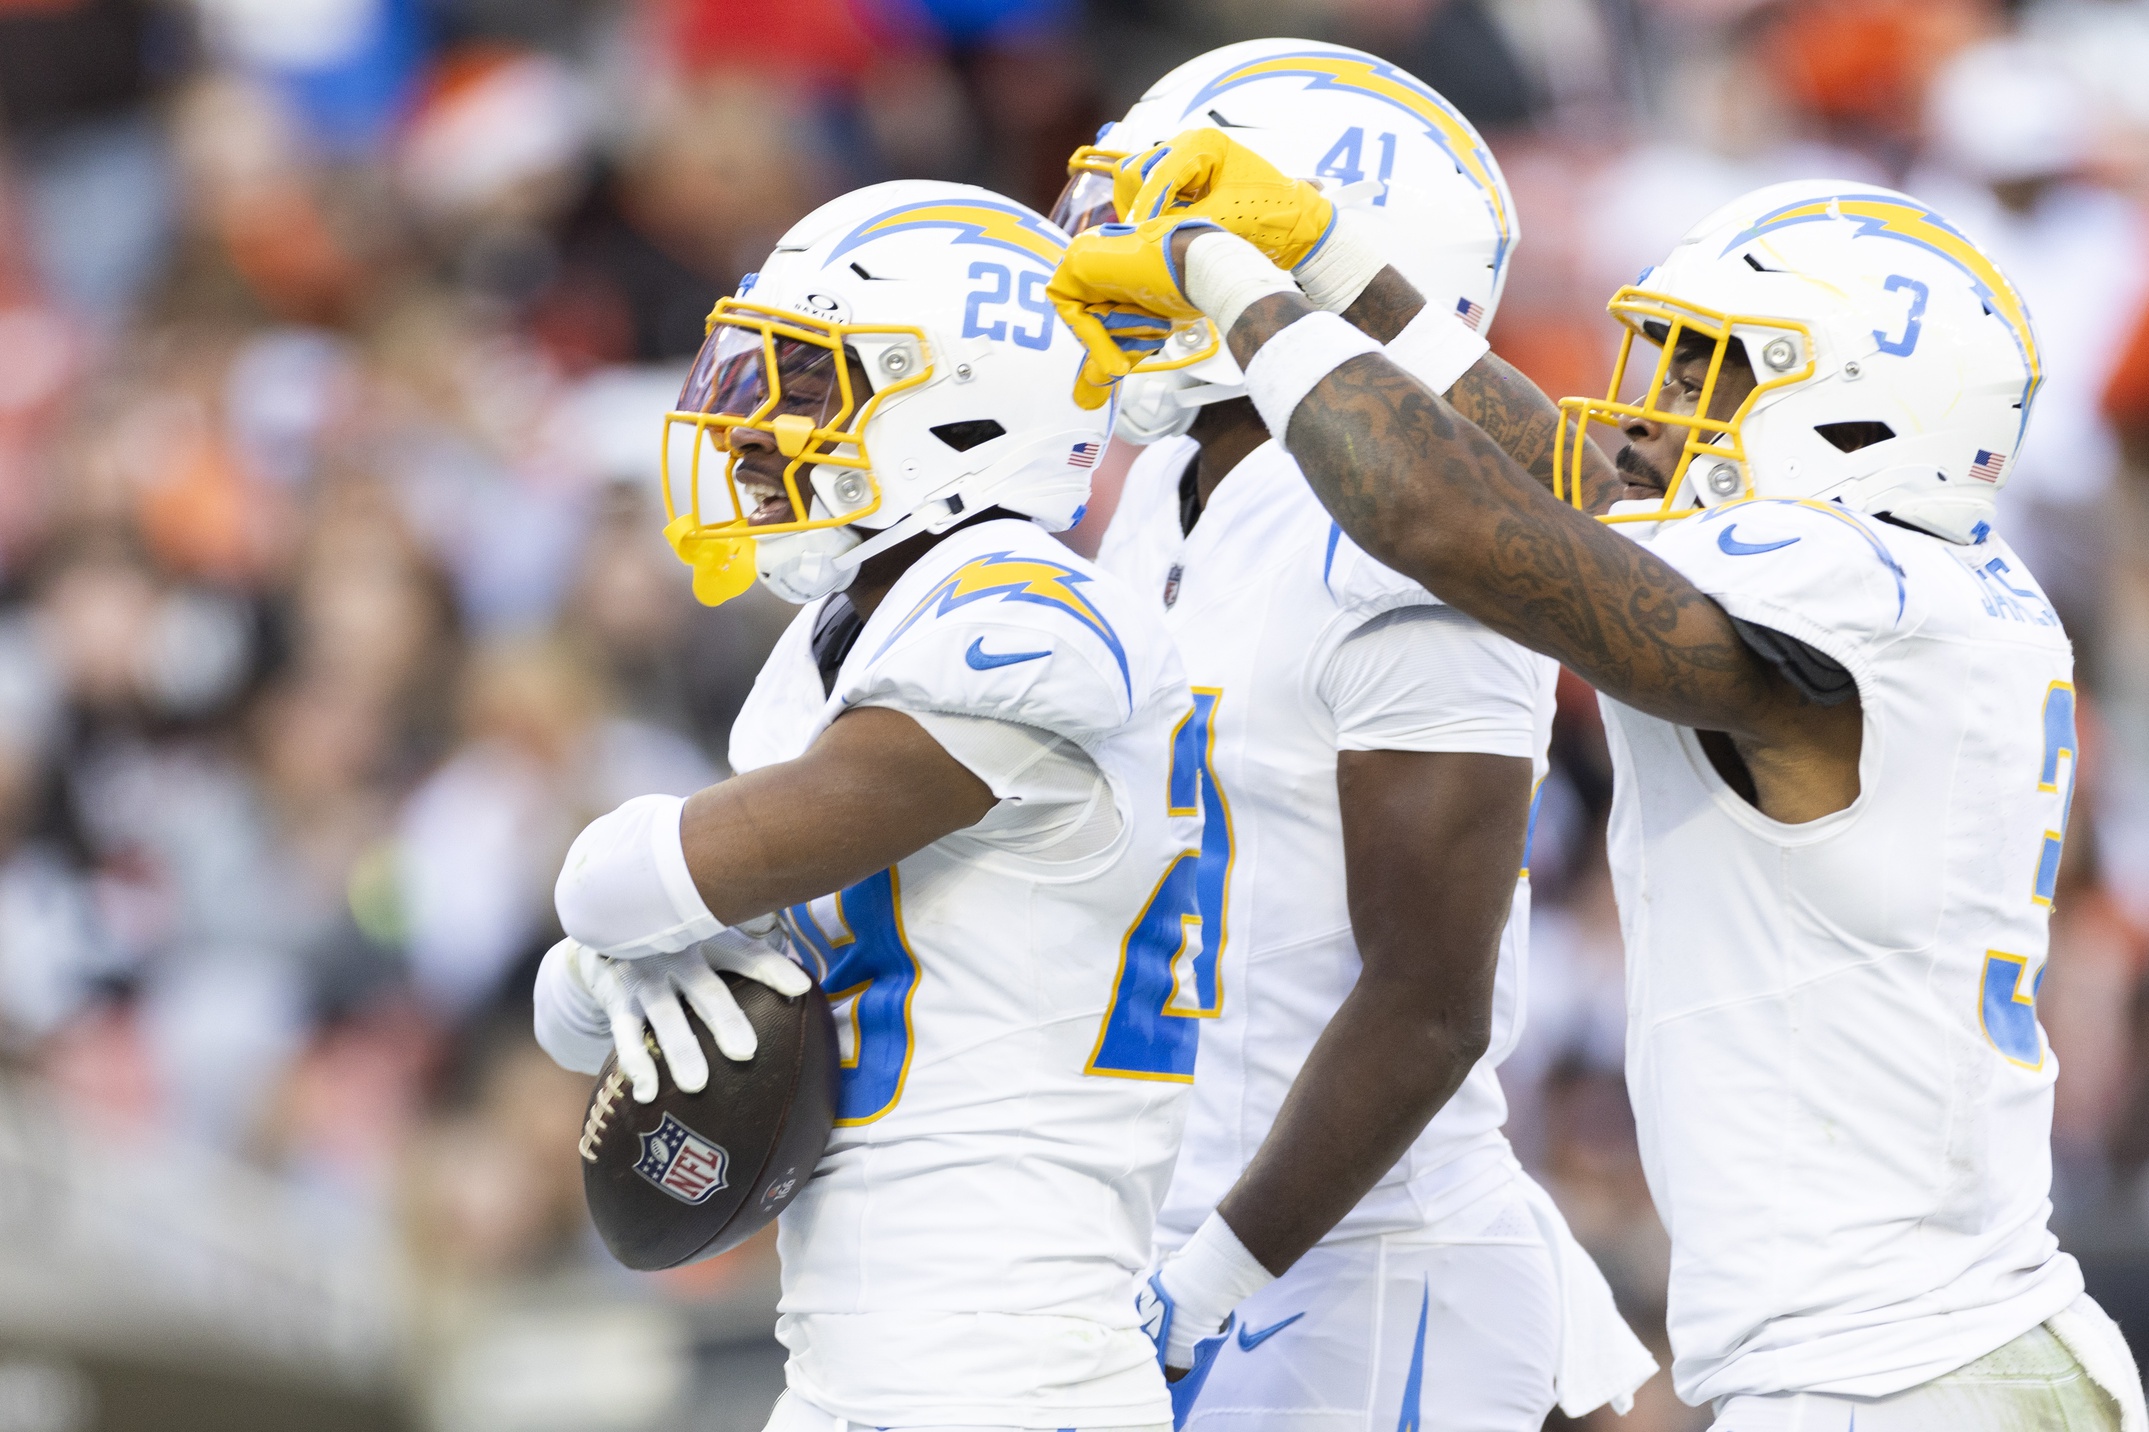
1849 437
968 434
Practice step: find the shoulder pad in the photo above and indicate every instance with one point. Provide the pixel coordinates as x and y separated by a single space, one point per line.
1360 584
780 714
1014 635
1814 570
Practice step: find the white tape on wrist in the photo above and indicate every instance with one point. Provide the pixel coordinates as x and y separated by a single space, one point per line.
1437 348
1290 364
625 889
1334 274
1207 1278
1225 276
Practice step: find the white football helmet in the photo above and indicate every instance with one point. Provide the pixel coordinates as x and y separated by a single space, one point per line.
1380 142
1894 362
897 356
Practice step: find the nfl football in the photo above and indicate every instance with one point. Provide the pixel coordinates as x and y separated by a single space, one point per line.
687 1176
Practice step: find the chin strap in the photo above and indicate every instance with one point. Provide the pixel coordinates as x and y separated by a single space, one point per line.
932 517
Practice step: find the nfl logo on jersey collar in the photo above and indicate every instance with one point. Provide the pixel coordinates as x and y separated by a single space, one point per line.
682 1162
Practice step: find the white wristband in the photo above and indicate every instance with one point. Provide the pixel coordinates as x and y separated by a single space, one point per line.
1225 276
1288 366
1207 1278
1437 348
1348 259
625 890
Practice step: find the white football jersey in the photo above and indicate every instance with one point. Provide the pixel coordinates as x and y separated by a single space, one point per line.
1270 604
1843 1096
1013 1084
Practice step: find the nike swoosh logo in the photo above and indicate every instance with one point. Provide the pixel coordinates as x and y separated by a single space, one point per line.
983 660
1249 1339
1733 547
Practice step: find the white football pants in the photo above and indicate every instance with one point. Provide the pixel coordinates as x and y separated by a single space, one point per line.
1397 1331
2071 1374
795 1414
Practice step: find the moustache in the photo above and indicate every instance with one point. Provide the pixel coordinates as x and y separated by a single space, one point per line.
1632 464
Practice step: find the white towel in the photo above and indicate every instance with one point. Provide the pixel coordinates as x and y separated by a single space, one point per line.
1601 1360
2088 1332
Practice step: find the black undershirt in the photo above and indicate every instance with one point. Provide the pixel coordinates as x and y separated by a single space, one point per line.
1190 495
835 632
1817 676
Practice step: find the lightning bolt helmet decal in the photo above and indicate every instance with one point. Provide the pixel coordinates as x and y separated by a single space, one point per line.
1885 216
1002 227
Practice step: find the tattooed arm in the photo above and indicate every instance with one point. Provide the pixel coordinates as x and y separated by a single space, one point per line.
1431 494
1513 411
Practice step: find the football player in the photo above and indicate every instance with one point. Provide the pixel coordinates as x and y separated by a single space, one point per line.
1843 731
1367 759
955 793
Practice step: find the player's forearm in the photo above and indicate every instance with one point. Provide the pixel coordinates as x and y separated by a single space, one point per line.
873 789
1516 414
1386 306
1431 844
1513 411
1378 1074
1430 494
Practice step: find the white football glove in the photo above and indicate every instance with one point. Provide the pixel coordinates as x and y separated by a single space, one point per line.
588 1004
1187 1297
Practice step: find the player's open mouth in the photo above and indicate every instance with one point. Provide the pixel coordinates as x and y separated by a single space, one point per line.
771 502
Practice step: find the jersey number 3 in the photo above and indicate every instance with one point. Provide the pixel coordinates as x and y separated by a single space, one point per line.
2007 994
1170 964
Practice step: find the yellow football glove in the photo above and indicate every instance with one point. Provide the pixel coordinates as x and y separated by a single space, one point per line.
1120 292
1206 174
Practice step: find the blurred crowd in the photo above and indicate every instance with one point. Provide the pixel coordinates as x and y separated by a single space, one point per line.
334 336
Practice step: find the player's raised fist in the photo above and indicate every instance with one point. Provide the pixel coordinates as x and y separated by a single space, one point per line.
1206 174
1119 288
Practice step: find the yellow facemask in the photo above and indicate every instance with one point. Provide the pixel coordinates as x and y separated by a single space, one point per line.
1664 321
790 375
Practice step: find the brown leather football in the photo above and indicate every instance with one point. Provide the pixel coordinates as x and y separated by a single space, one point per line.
688 1176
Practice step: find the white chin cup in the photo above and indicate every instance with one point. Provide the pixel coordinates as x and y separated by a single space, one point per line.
1150 407
801 566
1156 406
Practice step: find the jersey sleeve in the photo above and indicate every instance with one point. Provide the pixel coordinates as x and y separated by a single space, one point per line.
1360 586
780 713
1054 802
1813 571
1428 678
1010 639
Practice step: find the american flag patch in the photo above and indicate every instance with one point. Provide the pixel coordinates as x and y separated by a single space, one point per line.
1084 455
1988 465
1470 313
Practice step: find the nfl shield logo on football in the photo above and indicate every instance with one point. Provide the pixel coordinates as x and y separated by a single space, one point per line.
681 1162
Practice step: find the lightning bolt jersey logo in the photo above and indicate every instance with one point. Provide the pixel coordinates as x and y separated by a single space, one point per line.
1358 74
1881 216
1016 579
1001 226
